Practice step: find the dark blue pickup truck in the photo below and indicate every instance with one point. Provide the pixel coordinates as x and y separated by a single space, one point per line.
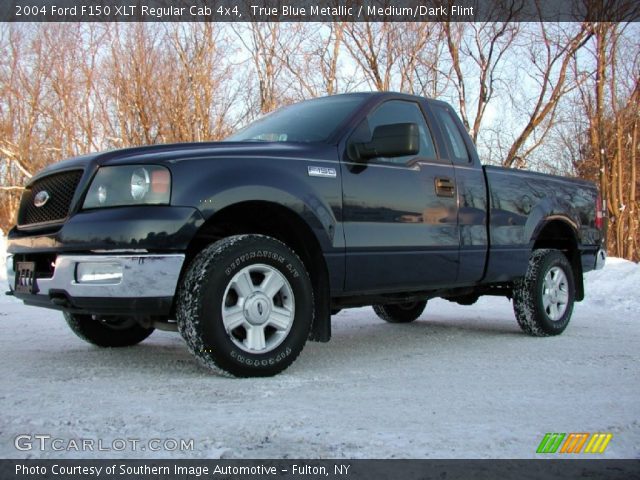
248 246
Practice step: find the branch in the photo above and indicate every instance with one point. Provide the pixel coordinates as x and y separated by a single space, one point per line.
11 158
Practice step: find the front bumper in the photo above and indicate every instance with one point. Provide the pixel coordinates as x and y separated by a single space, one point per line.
152 228
133 284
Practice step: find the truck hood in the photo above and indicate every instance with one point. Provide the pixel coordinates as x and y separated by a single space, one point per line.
171 153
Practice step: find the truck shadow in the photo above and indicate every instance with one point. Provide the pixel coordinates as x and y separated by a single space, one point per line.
354 340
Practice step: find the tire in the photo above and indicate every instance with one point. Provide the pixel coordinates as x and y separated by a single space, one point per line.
400 312
245 306
107 331
543 300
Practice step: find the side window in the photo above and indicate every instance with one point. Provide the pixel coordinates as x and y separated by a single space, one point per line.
397 111
452 136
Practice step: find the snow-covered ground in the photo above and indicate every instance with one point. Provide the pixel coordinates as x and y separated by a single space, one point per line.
462 382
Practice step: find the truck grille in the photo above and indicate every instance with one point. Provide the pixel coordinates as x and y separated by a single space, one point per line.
60 187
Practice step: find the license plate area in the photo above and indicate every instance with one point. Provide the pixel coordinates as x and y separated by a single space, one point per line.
26 277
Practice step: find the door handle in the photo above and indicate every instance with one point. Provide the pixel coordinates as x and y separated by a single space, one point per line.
445 187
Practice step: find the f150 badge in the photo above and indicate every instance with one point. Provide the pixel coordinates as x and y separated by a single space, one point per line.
322 172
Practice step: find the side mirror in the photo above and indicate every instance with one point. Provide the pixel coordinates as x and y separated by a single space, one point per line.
396 140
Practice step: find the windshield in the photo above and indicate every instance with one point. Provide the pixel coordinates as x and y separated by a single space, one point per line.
312 121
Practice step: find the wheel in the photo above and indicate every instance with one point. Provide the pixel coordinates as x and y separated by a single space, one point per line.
543 299
107 331
245 306
400 312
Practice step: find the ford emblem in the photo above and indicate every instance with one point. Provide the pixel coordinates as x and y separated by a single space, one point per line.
41 198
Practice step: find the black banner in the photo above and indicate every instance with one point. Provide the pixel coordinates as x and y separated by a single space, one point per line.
318 10
320 469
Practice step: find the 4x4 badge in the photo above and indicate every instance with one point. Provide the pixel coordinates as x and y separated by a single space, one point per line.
41 198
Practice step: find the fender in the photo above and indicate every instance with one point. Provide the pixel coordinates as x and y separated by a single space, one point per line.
570 226
509 257
551 209
318 201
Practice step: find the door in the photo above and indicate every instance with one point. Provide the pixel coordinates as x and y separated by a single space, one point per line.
399 214
472 195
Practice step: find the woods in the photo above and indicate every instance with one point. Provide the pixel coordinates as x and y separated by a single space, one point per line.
556 97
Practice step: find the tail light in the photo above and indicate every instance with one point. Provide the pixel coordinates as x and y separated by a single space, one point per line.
599 213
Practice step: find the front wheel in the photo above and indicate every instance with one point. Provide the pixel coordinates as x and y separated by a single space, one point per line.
543 300
107 331
400 312
245 306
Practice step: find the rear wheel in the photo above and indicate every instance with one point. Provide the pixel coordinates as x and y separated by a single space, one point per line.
543 300
245 306
107 331
400 312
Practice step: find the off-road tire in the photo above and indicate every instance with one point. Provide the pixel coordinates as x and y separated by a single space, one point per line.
400 312
528 293
107 331
207 283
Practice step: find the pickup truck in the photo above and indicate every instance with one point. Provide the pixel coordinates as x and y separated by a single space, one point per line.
248 246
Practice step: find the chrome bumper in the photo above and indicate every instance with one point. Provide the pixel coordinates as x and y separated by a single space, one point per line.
601 258
110 276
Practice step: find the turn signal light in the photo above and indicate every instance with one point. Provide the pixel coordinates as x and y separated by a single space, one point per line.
160 181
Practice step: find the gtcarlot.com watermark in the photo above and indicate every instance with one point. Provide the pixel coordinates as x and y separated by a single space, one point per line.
27 442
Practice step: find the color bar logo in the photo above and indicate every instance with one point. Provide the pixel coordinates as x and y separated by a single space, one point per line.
574 442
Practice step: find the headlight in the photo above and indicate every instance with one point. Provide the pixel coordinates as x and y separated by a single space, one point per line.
129 185
140 183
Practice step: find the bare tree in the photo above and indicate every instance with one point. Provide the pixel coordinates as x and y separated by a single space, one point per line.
483 46
328 54
199 99
374 46
24 68
134 71
263 42
396 56
551 51
314 63
428 78
611 101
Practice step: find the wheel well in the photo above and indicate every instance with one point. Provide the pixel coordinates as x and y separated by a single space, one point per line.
283 224
559 235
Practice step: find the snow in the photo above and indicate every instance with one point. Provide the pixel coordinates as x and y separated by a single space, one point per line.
3 249
615 287
461 382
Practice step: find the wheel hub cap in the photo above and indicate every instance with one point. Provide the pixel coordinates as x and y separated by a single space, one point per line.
257 308
555 293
